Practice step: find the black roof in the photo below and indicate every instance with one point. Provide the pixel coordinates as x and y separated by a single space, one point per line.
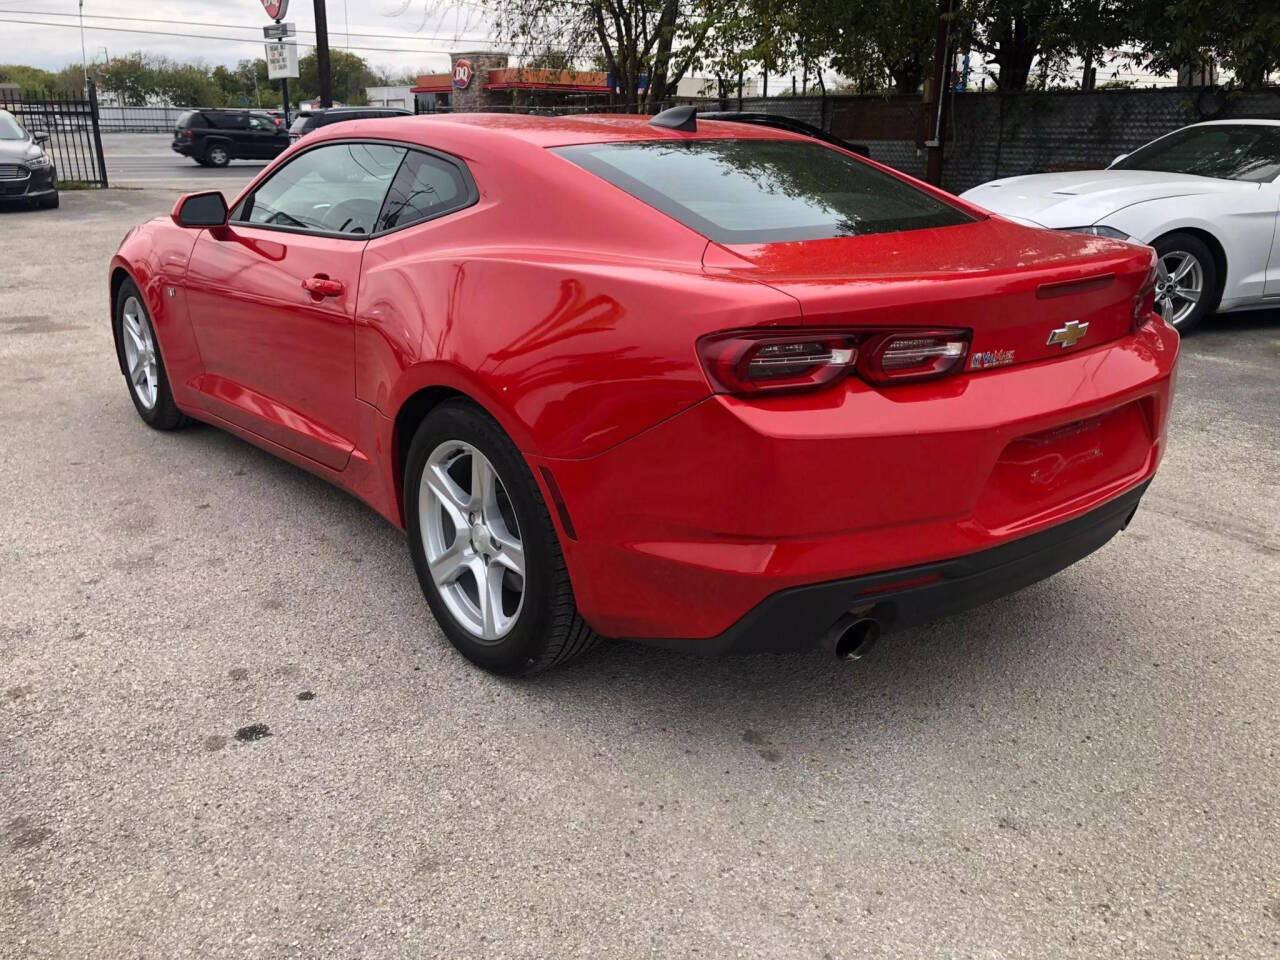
785 123
332 110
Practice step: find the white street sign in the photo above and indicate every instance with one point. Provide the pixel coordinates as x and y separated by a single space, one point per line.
282 60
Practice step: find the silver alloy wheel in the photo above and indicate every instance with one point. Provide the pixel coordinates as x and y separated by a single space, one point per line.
140 353
472 540
217 156
1179 285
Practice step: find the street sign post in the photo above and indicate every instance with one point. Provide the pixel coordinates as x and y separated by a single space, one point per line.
279 31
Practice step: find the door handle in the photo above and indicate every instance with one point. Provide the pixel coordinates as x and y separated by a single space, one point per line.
322 286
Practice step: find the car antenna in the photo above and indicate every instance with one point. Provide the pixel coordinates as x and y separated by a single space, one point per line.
677 118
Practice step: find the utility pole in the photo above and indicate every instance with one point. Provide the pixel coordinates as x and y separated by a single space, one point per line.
322 56
938 88
84 60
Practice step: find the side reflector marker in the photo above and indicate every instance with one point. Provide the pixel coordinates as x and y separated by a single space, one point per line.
557 501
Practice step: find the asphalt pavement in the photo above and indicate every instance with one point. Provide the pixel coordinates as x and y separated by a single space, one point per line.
146 160
1086 769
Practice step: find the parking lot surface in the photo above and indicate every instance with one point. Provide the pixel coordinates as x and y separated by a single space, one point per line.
1088 768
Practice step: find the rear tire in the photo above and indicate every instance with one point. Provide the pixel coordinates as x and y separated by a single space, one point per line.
216 155
1186 269
139 351
541 628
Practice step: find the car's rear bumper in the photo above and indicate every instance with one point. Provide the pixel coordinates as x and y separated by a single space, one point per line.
186 148
681 532
814 615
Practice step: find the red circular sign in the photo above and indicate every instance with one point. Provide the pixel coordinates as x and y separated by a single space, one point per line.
462 73
275 8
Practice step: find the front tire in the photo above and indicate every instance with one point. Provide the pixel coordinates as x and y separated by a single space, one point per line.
484 547
139 352
1188 287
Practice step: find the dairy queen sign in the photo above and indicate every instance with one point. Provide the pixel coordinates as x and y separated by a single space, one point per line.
462 73
276 9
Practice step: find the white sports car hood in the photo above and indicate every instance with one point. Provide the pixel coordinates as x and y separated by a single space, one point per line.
1084 197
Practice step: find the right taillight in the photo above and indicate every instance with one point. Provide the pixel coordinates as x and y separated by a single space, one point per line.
772 360
913 355
1144 301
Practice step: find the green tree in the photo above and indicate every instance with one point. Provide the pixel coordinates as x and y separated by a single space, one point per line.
349 72
185 84
33 80
657 40
130 79
1243 37
878 39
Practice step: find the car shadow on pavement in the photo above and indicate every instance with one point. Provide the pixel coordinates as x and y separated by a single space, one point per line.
968 663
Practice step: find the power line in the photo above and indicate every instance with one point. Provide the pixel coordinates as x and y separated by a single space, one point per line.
235 26
242 40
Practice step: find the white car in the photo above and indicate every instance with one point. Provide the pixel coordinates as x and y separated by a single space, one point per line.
1205 196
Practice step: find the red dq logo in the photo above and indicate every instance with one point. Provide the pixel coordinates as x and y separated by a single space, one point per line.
462 73
275 8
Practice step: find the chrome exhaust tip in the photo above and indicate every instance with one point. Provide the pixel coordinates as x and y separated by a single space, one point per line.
853 642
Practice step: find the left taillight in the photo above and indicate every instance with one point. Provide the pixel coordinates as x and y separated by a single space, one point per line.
748 362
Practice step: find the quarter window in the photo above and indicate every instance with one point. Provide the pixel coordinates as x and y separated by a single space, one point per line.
425 187
337 188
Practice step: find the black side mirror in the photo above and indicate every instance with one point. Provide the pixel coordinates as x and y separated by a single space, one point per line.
201 210
40 137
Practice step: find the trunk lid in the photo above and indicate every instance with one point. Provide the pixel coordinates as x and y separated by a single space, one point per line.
1013 286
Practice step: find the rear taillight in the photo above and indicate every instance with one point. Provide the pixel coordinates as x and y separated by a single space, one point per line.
773 360
1144 301
189 134
912 355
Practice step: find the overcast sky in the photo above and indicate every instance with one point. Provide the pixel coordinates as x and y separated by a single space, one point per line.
415 35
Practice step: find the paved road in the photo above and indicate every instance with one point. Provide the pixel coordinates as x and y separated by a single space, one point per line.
146 160
1087 769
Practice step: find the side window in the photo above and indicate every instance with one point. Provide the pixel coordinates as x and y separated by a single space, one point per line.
256 123
227 121
338 188
425 187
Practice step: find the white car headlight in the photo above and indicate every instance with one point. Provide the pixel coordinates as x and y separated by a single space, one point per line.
39 162
1097 230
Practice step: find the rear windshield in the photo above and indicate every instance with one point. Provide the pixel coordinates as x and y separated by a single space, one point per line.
303 124
764 191
190 118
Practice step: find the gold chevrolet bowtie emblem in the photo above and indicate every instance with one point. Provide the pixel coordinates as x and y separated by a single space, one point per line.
1069 335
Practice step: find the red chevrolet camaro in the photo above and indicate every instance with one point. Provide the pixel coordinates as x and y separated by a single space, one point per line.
710 385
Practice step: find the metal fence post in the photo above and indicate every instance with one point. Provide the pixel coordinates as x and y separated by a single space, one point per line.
97 133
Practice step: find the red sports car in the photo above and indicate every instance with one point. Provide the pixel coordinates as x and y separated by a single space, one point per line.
713 386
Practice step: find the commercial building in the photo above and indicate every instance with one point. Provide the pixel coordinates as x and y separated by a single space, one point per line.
485 81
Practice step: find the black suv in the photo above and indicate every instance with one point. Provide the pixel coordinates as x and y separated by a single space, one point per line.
216 137
306 122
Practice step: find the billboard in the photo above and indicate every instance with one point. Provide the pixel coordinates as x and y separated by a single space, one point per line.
282 60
